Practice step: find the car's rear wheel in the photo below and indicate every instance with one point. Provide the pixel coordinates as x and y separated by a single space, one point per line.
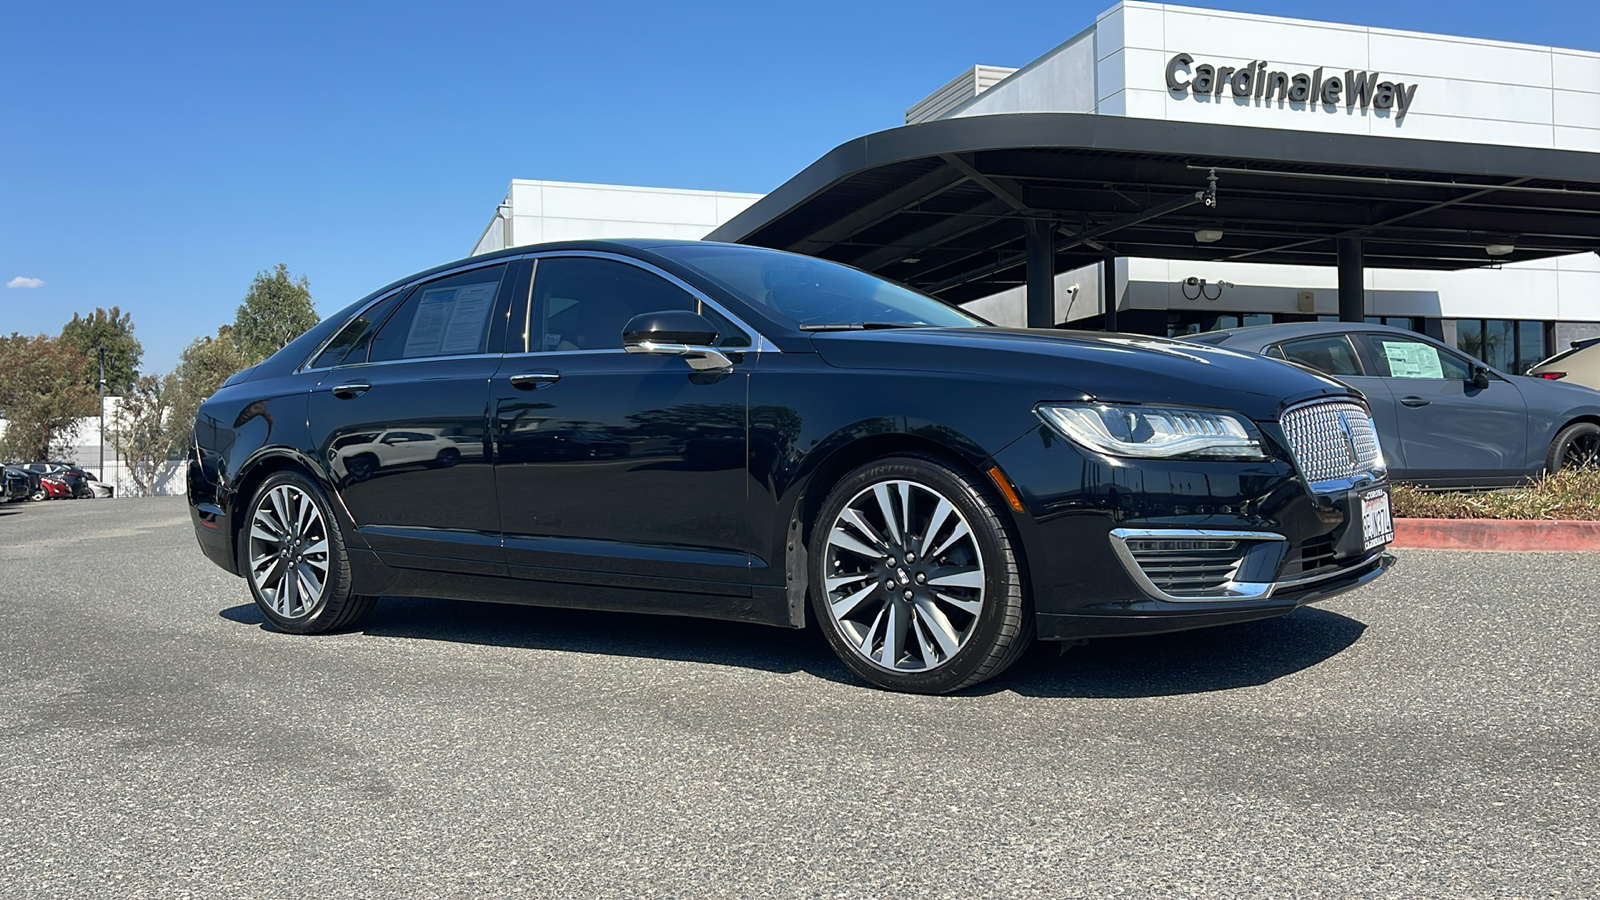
1577 446
915 578
293 556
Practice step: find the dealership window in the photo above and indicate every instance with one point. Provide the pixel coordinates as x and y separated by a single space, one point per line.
1405 322
1509 345
1182 323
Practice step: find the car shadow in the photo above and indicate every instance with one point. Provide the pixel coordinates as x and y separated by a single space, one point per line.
1187 662
1212 659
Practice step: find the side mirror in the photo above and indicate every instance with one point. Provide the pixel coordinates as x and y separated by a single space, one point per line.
1480 377
675 332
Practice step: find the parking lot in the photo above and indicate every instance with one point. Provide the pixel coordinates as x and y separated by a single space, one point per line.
1433 735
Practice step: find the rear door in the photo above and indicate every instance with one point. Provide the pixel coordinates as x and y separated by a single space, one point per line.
402 421
1451 431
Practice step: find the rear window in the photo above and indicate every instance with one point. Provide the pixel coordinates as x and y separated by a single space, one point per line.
1330 354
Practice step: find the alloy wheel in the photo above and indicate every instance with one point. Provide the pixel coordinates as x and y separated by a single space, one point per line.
1582 451
904 576
289 551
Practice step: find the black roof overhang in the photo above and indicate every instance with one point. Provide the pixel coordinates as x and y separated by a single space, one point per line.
941 205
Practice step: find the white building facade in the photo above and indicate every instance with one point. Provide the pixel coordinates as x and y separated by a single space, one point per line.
1177 63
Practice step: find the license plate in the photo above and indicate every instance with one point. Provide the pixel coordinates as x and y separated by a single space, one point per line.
1377 528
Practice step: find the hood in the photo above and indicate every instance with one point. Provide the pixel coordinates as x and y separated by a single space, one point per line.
1072 364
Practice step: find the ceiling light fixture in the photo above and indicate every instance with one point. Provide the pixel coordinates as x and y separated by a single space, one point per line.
912 260
1208 235
1500 249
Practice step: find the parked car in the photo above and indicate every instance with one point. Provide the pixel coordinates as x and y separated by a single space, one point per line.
1578 364
15 485
52 487
763 431
76 479
1443 418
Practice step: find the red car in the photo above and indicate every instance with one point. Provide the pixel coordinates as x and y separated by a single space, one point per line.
52 488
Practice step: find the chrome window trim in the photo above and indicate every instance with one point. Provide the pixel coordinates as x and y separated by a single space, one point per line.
414 359
465 267
758 341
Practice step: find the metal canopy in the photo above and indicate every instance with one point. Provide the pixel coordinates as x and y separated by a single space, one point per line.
944 205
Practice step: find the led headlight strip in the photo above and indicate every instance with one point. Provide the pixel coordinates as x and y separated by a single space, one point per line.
1154 432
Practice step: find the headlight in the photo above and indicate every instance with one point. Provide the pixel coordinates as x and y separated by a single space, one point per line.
1154 432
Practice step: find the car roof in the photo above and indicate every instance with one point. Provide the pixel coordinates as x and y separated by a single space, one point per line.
1258 336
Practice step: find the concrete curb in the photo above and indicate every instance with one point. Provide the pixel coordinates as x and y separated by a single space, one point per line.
1495 534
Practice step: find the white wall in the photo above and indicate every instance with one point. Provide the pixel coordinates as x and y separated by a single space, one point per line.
1468 89
1060 81
543 211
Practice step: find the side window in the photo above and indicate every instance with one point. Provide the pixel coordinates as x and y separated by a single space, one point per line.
1415 359
1275 351
1331 355
447 317
350 345
583 304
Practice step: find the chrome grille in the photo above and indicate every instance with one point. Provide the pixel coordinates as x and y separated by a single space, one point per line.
1333 440
1186 568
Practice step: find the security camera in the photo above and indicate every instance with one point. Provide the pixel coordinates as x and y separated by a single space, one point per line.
1192 281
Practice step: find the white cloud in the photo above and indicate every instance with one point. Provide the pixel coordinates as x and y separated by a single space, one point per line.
24 282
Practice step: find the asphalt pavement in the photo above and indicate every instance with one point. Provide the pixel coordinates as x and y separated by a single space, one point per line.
1433 735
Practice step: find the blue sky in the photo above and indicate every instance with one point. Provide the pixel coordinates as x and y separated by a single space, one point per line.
157 156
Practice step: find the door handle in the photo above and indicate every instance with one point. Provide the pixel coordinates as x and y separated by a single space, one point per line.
347 391
1414 402
530 381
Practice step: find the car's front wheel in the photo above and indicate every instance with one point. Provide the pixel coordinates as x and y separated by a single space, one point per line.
293 556
1577 446
915 577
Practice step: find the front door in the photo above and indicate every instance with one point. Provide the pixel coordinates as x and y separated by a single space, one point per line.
1449 428
617 468
402 426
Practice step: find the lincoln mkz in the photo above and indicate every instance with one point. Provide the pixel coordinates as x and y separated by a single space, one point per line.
728 432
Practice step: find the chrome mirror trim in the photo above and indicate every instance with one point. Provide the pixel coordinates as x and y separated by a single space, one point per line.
699 358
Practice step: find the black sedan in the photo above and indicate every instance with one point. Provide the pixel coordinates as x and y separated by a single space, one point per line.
1443 418
729 432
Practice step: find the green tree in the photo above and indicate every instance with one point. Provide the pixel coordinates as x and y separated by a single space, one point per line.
276 310
42 397
113 330
139 429
202 368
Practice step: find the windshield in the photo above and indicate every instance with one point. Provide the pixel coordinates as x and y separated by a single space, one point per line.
813 292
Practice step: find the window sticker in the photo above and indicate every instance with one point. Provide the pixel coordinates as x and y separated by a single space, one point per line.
451 320
1409 360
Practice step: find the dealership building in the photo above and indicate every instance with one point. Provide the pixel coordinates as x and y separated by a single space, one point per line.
1170 170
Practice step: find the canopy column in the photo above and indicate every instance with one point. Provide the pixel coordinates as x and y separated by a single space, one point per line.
1040 247
1352 290
1108 291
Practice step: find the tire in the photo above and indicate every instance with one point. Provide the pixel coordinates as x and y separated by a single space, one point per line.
447 457
39 495
1576 446
281 537
948 639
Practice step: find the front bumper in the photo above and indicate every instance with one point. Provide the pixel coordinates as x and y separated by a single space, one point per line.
1086 517
1286 597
